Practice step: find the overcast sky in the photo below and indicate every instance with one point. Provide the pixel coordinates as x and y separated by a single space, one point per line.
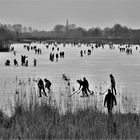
45 14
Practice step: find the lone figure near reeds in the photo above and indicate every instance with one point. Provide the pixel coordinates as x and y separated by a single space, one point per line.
113 84
110 100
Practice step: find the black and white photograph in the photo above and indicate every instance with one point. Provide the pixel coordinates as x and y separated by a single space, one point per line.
69 69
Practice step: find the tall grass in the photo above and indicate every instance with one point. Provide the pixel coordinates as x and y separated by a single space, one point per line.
45 122
42 118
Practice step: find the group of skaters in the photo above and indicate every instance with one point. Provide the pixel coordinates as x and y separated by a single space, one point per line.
110 99
57 55
83 52
127 49
24 61
29 47
42 85
52 55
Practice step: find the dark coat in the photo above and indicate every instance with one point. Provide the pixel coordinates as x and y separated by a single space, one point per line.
110 99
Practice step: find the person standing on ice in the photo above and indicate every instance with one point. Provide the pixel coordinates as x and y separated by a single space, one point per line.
113 84
35 61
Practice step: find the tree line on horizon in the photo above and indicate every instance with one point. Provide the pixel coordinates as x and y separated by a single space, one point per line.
18 31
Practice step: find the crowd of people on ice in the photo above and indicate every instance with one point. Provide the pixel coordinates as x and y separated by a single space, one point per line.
57 54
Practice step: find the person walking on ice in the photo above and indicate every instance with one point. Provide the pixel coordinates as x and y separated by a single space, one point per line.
113 84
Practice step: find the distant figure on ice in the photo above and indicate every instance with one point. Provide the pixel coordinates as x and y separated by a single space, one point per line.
26 63
35 61
89 52
14 53
81 53
84 51
110 100
113 83
52 48
57 56
7 63
57 49
62 54
41 87
15 62
51 56
23 59
47 84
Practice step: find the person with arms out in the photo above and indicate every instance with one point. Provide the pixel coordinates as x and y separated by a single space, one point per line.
84 90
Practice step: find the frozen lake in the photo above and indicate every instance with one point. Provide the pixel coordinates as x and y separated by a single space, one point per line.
95 67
